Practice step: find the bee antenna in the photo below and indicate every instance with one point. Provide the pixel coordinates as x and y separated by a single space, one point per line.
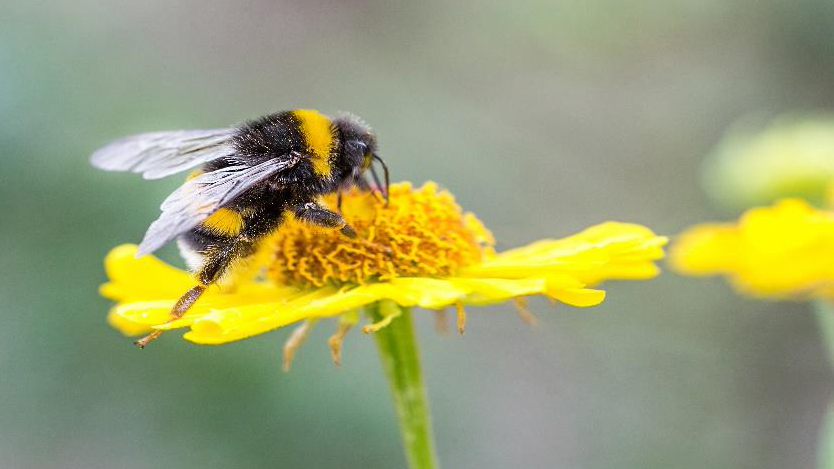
387 177
378 184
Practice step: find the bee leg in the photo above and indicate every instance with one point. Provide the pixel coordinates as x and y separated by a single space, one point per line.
179 309
315 213
213 268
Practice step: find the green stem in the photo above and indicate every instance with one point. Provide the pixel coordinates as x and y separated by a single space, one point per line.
397 344
825 318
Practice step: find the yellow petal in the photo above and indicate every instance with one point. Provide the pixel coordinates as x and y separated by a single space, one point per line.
139 278
425 292
572 291
492 290
157 312
780 251
605 251
625 270
126 326
705 249
148 313
577 296
235 323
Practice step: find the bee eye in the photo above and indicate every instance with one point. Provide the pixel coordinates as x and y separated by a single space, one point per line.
357 145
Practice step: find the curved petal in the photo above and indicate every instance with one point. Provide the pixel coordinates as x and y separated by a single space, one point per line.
577 296
425 292
236 323
125 325
705 249
132 277
778 251
230 324
494 290
605 251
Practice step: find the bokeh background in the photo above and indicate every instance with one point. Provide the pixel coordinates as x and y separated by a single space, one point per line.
542 116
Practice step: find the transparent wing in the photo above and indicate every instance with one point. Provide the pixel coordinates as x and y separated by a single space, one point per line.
199 197
159 154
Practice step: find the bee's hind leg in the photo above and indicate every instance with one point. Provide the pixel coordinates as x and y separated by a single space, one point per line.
179 309
214 266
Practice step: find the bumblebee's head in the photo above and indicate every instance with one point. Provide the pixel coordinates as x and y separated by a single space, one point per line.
358 151
358 142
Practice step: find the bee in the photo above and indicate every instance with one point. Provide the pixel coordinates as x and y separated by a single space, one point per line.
251 177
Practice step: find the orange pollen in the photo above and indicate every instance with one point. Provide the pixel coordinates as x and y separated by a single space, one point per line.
422 232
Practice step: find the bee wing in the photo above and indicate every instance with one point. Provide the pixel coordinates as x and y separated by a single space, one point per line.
159 154
195 200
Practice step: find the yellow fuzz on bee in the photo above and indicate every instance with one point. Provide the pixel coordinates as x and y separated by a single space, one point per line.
420 250
318 131
778 251
224 221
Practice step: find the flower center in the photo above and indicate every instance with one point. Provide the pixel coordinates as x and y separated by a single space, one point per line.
421 232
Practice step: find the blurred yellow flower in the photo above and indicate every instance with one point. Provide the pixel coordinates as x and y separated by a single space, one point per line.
794 156
419 250
780 251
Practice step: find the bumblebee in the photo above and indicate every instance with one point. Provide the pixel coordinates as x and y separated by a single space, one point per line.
251 177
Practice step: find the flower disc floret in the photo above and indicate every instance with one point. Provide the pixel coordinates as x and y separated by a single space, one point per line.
419 232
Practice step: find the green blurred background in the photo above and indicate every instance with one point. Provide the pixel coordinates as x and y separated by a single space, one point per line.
542 116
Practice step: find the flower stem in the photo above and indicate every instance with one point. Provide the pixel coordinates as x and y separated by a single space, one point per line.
825 319
397 344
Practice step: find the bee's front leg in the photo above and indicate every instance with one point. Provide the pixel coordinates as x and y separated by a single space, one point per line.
315 213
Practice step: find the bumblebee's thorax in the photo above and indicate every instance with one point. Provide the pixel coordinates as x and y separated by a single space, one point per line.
301 131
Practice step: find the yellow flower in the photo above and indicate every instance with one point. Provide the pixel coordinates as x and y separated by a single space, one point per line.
794 156
780 251
419 250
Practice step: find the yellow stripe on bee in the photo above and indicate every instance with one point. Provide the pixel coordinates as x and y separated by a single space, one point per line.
225 221
319 133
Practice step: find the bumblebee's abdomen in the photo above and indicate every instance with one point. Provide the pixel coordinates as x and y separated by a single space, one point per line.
304 131
218 241
218 230
231 234
225 222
